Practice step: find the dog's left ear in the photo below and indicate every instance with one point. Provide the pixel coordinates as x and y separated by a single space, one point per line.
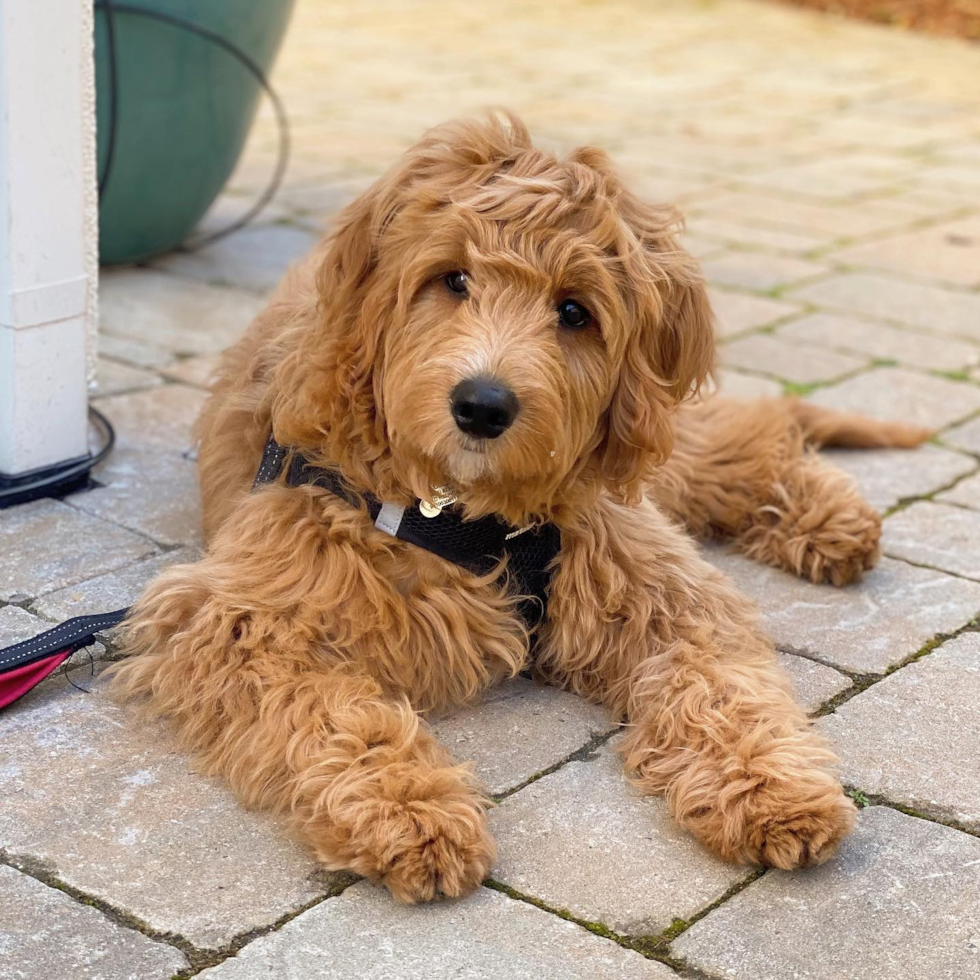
669 350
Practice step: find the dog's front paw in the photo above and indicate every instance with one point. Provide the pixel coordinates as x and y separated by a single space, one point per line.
792 823
788 825
799 833
420 849
429 854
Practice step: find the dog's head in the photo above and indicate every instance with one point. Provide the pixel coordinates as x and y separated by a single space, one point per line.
492 317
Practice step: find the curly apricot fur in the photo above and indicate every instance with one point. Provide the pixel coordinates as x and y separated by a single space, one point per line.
296 659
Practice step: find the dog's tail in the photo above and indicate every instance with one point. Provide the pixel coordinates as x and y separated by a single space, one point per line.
827 427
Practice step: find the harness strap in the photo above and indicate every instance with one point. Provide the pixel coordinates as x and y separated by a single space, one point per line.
477 545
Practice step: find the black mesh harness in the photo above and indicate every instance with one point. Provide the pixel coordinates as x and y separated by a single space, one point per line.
477 545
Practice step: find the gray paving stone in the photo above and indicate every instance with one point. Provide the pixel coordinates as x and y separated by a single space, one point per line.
252 259
321 198
928 204
153 494
520 729
887 476
755 270
867 130
736 313
863 628
364 935
46 545
711 225
585 840
962 180
966 493
141 352
901 901
109 805
228 208
156 420
935 534
737 385
792 362
114 590
949 251
815 684
899 395
115 378
949 312
18 624
883 342
196 371
965 436
180 316
45 935
701 247
828 178
808 217
936 701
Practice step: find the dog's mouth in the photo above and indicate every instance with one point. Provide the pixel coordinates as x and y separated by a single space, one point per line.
468 462
478 446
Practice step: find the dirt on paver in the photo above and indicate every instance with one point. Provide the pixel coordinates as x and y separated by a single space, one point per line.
959 18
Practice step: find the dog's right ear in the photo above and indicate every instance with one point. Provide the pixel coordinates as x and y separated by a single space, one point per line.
326 384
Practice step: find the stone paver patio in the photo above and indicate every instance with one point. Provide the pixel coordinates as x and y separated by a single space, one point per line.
830 172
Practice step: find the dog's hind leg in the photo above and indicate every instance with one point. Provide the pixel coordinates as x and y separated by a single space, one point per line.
233 651
747 471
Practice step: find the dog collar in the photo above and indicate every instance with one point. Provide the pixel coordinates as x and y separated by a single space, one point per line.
477 545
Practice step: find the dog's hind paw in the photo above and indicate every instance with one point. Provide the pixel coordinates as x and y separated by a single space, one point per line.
824 542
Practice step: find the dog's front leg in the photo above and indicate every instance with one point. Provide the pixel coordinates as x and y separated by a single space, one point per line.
640 622
236 652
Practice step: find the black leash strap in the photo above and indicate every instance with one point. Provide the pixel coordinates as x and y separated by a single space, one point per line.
73 634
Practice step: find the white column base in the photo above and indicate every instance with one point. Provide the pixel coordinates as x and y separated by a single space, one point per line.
43 401
48 240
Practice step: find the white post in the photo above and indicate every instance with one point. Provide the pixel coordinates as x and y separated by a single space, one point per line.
47 232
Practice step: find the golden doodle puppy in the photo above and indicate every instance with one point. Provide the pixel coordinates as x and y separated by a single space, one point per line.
493 324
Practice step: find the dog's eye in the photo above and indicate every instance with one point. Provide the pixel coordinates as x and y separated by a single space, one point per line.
456 282
573 315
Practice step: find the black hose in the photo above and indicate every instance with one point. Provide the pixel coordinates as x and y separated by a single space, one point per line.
59 478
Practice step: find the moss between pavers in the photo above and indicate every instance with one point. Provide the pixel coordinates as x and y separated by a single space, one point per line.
198 959
655 947
876 799
861 682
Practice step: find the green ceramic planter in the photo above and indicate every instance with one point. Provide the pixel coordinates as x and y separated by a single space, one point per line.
184 108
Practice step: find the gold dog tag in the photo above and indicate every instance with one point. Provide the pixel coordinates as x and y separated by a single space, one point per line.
429 510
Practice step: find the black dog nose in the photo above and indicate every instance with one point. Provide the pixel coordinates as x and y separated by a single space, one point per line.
483 407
